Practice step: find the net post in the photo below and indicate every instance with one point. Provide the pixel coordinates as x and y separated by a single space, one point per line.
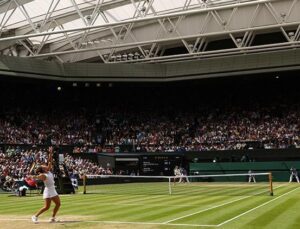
170 189
84 183
271 184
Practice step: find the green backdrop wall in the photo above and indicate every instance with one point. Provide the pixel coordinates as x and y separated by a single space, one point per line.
280 169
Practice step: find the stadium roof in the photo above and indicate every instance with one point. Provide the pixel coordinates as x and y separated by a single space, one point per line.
114 31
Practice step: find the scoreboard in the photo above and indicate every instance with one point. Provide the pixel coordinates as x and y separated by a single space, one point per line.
158 165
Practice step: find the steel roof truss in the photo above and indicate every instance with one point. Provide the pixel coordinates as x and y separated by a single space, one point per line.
26 47
290 9
297 33
168 30
5 20
24 12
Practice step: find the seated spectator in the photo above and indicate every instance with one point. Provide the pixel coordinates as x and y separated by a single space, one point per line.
31 183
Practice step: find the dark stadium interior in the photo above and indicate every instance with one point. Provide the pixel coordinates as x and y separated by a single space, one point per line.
189 102
229 119
231 90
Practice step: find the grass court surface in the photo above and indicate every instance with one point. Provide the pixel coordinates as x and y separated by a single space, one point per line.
217 205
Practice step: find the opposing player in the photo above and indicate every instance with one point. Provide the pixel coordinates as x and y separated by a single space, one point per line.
294 173
50 194
184 175
251 176
177 174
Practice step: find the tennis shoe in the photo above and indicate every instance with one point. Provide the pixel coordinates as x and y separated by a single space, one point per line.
34 219
53 220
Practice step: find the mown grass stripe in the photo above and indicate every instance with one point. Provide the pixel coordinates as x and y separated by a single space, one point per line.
166 211
274 212
209 209
101 207
259 206
219 215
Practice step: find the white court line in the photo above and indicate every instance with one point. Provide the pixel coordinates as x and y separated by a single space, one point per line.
213 207
149 223
246 212
150 205
111 222
14 219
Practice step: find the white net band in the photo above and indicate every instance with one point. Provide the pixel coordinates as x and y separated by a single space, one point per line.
187 185
171 177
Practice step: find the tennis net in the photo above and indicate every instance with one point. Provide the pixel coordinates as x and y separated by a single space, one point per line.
212 184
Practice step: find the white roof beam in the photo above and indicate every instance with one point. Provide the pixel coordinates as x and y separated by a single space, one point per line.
163 40
131 21
67 15
9 5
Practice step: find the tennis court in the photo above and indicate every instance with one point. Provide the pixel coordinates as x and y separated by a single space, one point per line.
229 206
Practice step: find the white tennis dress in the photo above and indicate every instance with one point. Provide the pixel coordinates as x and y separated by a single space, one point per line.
49 190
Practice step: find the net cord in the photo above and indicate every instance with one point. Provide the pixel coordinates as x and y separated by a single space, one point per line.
169 178
172 177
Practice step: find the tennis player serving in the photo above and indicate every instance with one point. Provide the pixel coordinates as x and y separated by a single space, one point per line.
50 194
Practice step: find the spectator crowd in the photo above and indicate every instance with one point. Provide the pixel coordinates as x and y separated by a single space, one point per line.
79 166
157 130
15 165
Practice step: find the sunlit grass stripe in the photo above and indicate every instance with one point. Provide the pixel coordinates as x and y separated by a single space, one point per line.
127 197
171 199
219 215
139 201
129 186
165 213
158 215
140 209
201 191
188 211
26 208
95 208
133 189
180 200
294 222
125 215
282 188
261 205
209 209
98 208
76 206
218 191
98 202
275 211
206 190
131 211
215 210
26 203
109 198
224 191
72 199
16 199
94 198
121 208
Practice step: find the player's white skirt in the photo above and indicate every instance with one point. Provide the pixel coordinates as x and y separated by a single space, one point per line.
49 193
